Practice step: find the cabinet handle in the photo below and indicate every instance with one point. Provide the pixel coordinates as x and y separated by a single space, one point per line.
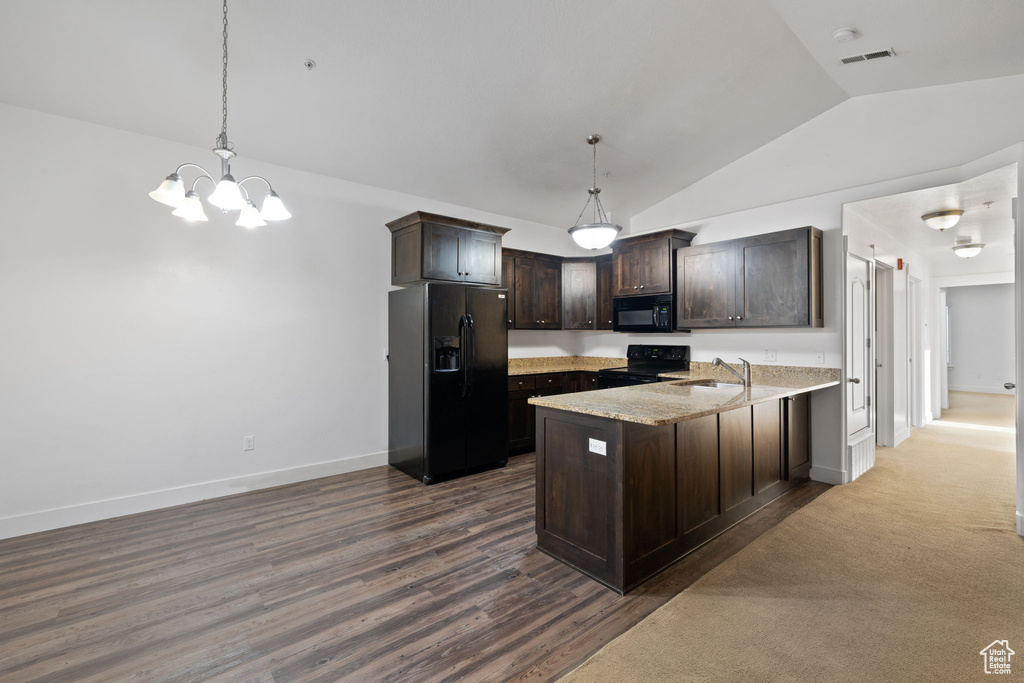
590 322
468 273
730 317
542 322
641 286
854 380
509 322
520 384
609 322
460 272
537 321
635 287
739 317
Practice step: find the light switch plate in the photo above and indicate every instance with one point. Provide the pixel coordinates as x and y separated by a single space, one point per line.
599 447
249 443
820 359
770 355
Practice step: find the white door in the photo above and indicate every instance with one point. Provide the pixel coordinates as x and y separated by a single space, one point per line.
859 365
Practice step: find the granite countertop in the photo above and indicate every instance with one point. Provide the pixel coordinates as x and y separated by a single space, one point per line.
669 402
537 366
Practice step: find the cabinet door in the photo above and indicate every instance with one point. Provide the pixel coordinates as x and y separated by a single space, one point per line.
772 279
548 295
521 426
480 257
767 444
587 381
797 442
655 265
441 252
705 277
508 281
626 271
697 470
604 278
526 314
579 300
736 454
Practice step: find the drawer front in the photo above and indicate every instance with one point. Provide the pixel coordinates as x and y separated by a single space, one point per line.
550 381
520 382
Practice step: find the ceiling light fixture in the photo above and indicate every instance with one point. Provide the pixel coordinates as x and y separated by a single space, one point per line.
599 233
940 220
844 35
228 195
965 248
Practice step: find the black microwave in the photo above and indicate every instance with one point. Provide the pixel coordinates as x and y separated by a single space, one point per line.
652 313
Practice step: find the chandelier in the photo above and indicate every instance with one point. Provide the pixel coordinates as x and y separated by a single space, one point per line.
600 232
227 194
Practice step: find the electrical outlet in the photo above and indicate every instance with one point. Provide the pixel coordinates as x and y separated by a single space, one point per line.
249 443
599 447
769 355
820 359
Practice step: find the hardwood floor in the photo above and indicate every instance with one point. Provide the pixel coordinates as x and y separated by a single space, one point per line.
368 576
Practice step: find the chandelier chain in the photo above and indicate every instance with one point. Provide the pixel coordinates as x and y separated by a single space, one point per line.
224 82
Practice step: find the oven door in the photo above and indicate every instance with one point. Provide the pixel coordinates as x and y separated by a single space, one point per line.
643 313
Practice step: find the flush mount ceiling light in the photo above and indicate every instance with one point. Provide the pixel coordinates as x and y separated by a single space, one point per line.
966 248
227 195
940 220
600 232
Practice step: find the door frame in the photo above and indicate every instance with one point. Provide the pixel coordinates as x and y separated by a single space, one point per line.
883 405
915 351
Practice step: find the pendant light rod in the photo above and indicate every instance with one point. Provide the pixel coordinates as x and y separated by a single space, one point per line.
601 231
227 195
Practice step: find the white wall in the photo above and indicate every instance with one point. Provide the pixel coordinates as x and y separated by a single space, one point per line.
138 350
983 342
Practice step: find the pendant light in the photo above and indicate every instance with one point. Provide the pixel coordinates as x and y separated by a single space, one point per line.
600 232
941 220
227 195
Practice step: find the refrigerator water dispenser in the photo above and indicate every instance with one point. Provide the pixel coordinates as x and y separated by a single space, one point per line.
446 354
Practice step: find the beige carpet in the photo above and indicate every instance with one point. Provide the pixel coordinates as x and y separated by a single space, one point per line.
904 575
996 410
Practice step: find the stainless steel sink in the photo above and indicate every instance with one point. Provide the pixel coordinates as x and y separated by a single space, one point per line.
717 385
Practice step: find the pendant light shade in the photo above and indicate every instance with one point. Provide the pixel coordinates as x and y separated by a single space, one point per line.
227 193
227 196
594 235
250 217
942 220
600 232
191 208
170 192
273 208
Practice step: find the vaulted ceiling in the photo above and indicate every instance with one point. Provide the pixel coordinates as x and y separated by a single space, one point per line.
487 103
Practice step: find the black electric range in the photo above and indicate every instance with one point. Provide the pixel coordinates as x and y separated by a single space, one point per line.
644 364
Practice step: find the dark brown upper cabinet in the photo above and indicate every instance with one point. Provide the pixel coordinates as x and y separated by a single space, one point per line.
538 292
605 292
426 247
579 289
644 264
508 281
771 280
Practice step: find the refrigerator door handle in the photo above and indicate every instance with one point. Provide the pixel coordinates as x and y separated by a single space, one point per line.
470 356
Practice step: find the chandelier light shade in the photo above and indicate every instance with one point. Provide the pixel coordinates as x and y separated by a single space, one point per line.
228 195
250 217
600 232
968 249
942 220
191 208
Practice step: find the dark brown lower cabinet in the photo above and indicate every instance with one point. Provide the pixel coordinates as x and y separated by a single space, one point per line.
521 422
657 493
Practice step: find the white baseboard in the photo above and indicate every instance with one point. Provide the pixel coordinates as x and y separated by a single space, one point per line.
981 390
827 475
56 518
901 436
1020 524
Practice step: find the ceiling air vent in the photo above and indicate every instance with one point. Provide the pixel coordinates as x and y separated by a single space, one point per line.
868 56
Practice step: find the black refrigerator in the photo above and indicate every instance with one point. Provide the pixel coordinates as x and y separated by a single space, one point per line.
447 380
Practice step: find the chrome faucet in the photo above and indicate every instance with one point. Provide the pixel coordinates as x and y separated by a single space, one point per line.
745 377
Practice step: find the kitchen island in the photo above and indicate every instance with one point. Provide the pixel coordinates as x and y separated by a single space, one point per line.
631 479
